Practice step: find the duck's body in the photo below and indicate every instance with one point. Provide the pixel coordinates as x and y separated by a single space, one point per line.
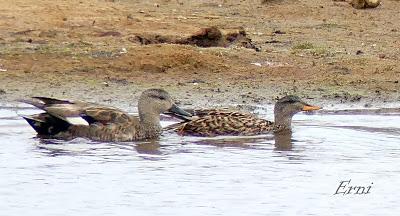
225 122
102 124
64 119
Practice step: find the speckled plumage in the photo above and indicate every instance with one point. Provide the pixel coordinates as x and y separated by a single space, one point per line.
211 122
64 119
224 122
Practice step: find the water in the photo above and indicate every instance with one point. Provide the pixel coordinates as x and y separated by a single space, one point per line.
206 176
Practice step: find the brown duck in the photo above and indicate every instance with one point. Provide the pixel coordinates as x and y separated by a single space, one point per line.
64 119
224 122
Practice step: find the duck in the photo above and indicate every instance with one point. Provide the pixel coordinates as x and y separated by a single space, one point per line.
64 119
214 122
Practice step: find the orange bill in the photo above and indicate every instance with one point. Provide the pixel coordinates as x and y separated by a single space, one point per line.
310 108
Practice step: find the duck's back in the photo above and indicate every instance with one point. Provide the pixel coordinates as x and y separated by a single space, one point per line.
224 122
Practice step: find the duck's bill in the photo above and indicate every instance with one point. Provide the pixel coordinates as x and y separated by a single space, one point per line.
178 112
311 108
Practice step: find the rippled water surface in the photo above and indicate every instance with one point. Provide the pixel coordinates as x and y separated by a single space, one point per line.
206 176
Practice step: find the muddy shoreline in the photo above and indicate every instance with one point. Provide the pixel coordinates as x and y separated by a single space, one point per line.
324 52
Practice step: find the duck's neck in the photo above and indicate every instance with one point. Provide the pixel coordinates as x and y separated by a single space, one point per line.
150 124
283 122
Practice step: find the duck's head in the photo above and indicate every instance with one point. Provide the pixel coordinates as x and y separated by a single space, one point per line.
157 101
288 106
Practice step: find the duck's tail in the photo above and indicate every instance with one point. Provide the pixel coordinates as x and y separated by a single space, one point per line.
45 124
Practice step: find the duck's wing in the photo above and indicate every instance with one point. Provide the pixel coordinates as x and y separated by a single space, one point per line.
106 115
199 113
60 114
223 122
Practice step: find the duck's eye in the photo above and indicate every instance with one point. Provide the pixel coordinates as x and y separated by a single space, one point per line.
161 97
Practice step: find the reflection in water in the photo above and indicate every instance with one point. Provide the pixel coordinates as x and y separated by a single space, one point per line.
52 151
54 147
283 141
246 142
145 149
82 147
151 147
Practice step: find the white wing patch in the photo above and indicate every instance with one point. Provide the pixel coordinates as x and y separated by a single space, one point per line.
77 121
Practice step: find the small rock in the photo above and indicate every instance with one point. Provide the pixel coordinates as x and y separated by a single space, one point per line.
359 52
372 3
358 4
362 4
256 64
123 51
2 91
382 55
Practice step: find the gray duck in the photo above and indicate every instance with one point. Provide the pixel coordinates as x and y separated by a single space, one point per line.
65 119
